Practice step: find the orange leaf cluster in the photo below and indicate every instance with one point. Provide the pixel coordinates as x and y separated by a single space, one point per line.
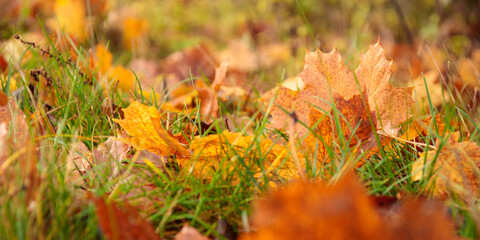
204 154
362 99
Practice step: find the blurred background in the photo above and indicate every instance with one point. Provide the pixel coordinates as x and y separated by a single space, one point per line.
438 38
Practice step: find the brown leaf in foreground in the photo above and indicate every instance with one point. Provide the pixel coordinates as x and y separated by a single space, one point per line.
328 81
457 166
306 210
125 223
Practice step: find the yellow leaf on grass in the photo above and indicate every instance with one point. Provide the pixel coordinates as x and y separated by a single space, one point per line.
227 149
144 125
457 168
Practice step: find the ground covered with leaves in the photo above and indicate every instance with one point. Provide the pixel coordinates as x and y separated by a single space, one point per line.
239 119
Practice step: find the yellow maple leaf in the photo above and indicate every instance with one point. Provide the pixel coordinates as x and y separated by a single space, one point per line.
216 151
225 150
144 125
456 168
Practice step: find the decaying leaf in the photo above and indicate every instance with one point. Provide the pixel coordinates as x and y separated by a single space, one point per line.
144 125
456 166
306 210
125 223
362 98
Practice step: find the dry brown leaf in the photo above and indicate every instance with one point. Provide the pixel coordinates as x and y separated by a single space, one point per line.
122 223
457 168
78 163
306 210
189 233
194 61
327 80
208 95
144 125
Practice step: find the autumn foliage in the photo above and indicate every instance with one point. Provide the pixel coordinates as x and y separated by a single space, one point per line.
198 119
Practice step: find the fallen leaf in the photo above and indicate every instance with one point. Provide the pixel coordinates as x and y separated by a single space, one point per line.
456 166
144 125
343 210
328 81
122 223
340 211
189 233
226 149
195 61
77 163
208 95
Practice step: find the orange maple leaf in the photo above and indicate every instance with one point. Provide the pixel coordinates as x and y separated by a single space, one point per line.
307 210
362 99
